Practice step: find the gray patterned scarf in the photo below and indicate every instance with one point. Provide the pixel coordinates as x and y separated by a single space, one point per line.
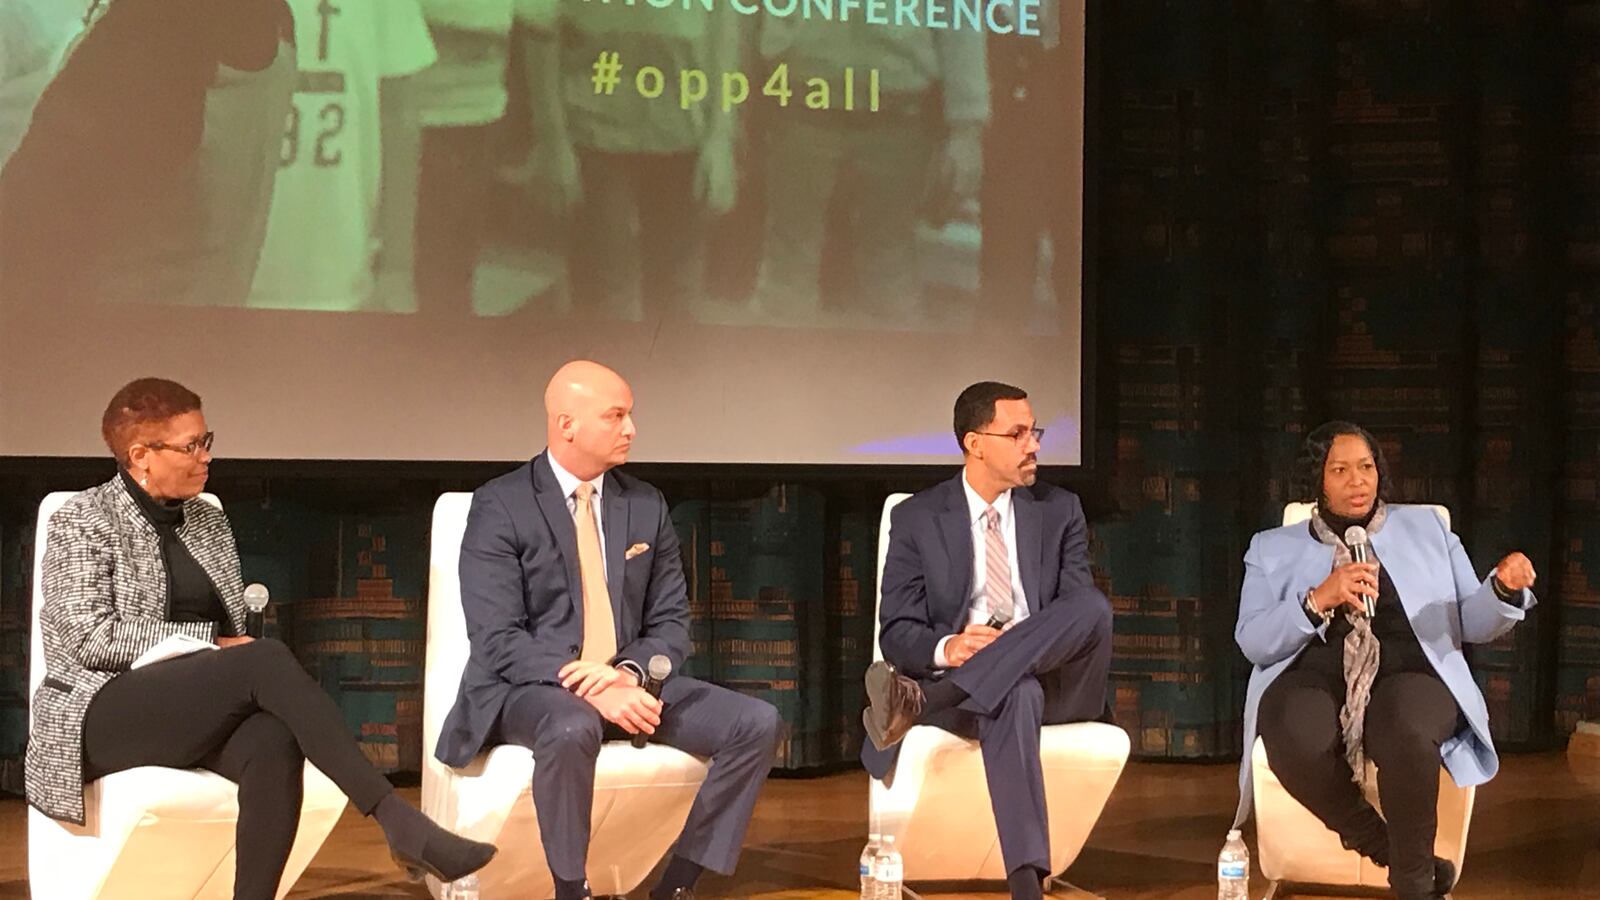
1360 648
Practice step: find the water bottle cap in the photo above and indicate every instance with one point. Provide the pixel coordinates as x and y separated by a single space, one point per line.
1234 834
874 836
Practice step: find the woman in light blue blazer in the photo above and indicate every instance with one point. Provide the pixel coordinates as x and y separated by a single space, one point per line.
1356 659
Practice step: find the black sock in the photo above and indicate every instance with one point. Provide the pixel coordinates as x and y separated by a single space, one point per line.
941 694
680 873
572 890
1026 883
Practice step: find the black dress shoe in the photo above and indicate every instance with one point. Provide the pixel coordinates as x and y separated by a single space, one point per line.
1444 875
462 857
894 705
420 846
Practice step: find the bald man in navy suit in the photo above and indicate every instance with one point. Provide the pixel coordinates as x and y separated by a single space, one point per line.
571 581
991 624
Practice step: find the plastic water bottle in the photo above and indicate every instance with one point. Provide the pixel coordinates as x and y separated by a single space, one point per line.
464 888
1233 869
888 871
869 858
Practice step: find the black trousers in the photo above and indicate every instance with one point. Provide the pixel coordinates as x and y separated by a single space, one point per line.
251 714
1049 669
1409 716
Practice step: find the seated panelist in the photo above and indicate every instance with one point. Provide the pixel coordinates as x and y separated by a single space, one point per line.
571 582
141 558
1358 660
991 624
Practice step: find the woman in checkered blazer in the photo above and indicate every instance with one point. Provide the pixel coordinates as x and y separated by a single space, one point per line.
139 559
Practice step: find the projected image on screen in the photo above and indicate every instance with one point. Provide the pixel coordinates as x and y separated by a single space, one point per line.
761 194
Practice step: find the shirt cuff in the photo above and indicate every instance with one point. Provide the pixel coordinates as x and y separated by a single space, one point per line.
628 665
940 661
1506 595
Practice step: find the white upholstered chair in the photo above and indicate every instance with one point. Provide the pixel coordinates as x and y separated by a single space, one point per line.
641 796
937 801
1296 848
153 832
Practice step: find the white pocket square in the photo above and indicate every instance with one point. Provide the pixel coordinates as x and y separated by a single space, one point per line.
635 550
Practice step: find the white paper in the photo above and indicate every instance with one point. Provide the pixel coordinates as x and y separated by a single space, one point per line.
171 647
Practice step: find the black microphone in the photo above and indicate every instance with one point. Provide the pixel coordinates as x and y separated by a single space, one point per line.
1000 617
1355 537
660 667
255 617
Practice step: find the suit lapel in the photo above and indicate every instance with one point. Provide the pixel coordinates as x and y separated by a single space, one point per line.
616 528
554 507
1395 562
956 527
1030 545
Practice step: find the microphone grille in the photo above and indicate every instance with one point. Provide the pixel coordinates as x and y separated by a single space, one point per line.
256 597
1354 535
660 667
1002 614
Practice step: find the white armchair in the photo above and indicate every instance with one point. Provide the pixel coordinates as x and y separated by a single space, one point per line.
1296 848
154 832
937 800
641 796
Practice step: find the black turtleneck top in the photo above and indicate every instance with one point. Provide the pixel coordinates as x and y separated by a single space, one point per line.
1400 650
191 596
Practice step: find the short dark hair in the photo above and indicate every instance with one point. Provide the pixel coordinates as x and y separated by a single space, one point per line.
141 403
1314 456
975 407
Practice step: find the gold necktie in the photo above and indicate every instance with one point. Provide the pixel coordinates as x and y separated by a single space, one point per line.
599 624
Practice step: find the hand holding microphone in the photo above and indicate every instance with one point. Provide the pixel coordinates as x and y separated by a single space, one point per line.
1355 537
655 676
1349 584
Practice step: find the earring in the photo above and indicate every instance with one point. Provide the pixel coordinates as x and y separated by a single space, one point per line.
144 480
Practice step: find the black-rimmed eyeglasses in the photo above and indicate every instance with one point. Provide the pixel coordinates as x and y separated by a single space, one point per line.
1017 436
203 442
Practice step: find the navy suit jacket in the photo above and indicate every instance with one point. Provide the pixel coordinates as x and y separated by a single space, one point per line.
928 572
523 598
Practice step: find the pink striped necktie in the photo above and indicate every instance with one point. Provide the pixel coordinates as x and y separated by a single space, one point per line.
997 565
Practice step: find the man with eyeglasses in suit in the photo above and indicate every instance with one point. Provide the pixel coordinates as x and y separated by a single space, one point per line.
991 624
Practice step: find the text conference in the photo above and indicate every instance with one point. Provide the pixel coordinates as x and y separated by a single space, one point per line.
996 16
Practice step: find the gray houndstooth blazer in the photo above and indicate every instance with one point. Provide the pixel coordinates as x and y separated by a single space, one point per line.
105 603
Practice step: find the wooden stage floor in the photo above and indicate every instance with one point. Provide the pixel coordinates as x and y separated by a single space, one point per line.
1535 836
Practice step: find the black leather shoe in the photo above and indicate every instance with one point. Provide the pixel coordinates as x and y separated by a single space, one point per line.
1444 875
464 858
894 705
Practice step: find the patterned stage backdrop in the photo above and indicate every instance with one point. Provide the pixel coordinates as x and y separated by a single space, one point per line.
1386 212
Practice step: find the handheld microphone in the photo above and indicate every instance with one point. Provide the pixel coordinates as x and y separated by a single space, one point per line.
656 675
255 602
999 618
1355 537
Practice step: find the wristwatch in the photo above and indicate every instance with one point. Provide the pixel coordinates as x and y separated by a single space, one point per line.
1326 615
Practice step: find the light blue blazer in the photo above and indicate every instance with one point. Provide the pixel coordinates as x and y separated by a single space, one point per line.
1447 603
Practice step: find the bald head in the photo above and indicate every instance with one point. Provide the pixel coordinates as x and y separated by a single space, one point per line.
576 382
588 418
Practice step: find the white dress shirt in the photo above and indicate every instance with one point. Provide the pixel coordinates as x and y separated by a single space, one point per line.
977 600
569 489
